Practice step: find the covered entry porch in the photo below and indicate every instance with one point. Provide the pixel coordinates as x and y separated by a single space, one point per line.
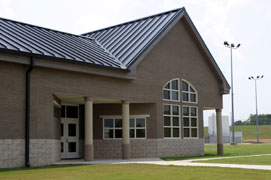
105 123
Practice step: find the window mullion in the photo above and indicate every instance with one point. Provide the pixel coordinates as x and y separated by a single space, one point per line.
135 127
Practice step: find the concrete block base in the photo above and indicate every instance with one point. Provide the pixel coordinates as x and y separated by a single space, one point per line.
88 152
42 152
126 151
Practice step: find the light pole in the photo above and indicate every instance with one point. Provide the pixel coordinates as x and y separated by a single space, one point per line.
257 122
232 46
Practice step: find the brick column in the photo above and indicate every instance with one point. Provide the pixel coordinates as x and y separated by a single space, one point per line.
88 150
126 147
220 150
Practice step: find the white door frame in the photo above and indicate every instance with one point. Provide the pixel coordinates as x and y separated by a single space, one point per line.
66 140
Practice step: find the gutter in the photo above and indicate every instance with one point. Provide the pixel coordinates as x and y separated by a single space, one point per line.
27 111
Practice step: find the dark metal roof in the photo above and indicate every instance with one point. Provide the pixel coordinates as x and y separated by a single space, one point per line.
114 47
33 40
127 41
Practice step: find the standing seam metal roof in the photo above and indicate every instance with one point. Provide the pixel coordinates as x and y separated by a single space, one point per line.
126 41
115 47
29 39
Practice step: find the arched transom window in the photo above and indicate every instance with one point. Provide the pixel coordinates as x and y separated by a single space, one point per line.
189 93
171 90
180 116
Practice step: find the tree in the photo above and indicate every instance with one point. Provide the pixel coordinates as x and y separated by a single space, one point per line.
238 123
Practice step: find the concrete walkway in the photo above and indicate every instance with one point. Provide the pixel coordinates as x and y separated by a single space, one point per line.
158 161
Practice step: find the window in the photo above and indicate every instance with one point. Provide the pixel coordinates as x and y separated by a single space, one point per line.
172 121
189 93
137 128
57 109
190 121
171 90
68 111
113 127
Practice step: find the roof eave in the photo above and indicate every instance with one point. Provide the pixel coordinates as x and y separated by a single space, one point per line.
63 60
226 87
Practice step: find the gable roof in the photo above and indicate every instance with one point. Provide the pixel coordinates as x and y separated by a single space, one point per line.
117 47
28 39
127 41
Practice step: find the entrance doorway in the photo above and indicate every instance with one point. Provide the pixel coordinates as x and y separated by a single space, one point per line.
69 131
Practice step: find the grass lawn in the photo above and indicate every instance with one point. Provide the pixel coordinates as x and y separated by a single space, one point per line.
250 132
130 172
258 160
229 150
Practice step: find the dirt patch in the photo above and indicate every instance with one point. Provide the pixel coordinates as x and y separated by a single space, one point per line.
255 140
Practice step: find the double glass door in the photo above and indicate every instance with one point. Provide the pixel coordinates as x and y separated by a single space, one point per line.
69 132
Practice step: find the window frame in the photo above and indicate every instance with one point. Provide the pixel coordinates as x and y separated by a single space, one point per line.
69 104
171 121
135 128
191 127
56 105
189 92
120 117
172 90
113 128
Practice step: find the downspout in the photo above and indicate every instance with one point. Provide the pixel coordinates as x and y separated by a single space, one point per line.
27 111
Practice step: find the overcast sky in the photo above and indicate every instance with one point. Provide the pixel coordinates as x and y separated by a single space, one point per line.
239 21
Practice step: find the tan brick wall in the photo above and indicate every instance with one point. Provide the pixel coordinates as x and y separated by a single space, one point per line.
177 55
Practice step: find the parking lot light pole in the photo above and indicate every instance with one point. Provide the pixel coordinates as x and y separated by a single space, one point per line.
257 121
232 46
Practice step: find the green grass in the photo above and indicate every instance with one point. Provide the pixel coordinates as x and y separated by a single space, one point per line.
132 172
229 150
258 160
250 131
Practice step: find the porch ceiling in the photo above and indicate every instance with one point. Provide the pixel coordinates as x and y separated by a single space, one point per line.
80 99
71 99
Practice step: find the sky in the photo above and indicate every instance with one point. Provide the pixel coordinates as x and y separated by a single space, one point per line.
247 22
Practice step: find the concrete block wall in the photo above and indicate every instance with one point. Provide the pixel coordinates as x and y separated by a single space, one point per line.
12 153
107 149
144 148
81 148
47 151
42 152
147 148
180 147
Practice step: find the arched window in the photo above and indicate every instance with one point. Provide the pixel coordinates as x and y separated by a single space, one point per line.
171 90
189 92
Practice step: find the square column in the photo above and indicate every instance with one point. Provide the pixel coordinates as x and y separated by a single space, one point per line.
220 150
88 148
126 147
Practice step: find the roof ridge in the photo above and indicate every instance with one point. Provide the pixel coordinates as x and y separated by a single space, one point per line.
40 27
142 18
123 66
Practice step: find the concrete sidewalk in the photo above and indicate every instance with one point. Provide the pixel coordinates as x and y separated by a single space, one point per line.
158 161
